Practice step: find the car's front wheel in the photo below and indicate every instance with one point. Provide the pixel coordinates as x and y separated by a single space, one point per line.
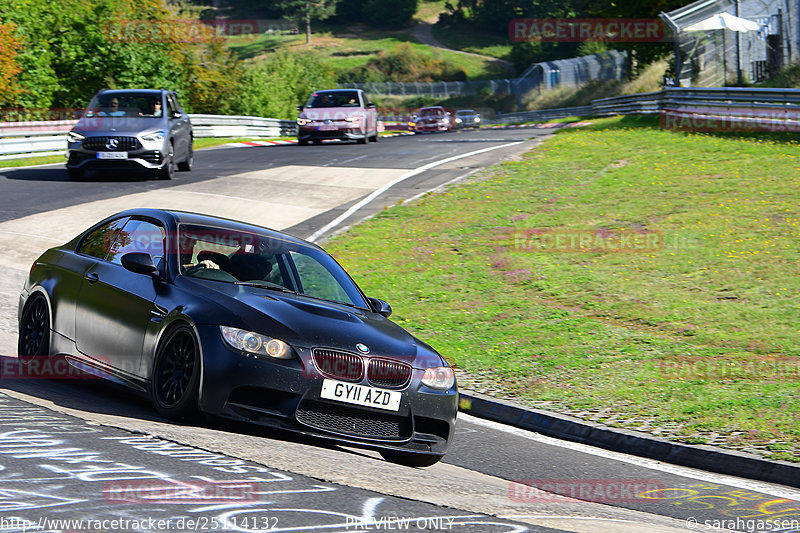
410 459
75 174
167 171
176 374
34 330
186 164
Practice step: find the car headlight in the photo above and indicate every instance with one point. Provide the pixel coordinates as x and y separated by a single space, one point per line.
255 343
441 377
153 137
75 137
302 121
458 121
477 119
352 119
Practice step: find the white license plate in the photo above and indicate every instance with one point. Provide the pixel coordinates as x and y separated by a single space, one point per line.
328 127
112 155
361 395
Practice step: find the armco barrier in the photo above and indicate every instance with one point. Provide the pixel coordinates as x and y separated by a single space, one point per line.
43 138
48 138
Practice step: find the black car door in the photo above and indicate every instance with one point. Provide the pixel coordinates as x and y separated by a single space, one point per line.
115 305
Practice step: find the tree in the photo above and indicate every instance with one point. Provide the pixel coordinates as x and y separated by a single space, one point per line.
303 11
9 68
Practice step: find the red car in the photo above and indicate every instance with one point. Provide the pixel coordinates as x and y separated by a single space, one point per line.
345 114
434 118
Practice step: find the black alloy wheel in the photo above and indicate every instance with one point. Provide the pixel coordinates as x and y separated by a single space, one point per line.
34 331
176 374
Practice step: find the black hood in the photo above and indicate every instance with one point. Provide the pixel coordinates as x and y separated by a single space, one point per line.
306 322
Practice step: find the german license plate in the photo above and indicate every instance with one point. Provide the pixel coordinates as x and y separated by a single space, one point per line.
112 155
361 395
328 127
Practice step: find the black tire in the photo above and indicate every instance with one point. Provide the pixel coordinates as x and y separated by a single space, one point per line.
302 142
75 174
364 139
168 170
374 138
186 164
34 330
175 381
417 460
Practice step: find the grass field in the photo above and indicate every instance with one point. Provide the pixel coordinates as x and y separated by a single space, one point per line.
345 48
683 319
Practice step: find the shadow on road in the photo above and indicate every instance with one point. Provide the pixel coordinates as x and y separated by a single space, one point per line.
60 175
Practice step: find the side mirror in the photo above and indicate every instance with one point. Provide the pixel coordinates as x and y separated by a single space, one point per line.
380 307
140 263
372 105
299 108
176 115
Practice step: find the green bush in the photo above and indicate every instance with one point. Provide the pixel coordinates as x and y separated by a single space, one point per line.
274 87
398 13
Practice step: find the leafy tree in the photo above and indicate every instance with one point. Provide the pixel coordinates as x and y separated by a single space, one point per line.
398 13
9 68
303 11
276 86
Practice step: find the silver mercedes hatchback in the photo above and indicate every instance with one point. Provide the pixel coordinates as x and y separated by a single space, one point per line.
135 129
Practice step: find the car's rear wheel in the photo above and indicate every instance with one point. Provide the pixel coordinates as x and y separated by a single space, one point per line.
176 374
34 330
410 458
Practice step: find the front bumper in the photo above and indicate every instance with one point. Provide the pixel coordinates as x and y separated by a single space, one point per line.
313 133
287 395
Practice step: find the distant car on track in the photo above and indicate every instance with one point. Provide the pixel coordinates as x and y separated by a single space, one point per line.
344 114
238 321
131 129
430 119
467 118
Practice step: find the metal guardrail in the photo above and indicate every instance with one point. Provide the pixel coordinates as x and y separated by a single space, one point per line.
733 101
31 139
41 138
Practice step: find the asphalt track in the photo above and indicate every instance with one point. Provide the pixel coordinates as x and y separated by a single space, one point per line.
311 191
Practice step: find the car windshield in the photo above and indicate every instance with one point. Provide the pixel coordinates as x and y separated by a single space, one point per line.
334 99
465 112
126 104
266 261
430 112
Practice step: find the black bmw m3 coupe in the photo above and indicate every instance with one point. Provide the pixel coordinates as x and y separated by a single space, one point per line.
211 315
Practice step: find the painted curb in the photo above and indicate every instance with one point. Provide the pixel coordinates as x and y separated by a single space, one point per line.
564 427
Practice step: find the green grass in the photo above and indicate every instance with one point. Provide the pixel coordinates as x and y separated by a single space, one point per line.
469 38
700 332
29 161
345 48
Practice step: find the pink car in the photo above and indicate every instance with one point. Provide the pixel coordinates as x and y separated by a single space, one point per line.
345 114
